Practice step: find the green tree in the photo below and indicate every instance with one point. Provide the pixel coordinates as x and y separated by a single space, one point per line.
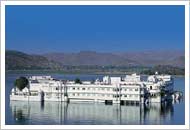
162 93
78 81
21 83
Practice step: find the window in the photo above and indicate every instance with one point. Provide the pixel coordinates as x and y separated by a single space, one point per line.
73 88
130 89
83 88
115 96
73 94
56 88
150 87
116 89
102 88
136 89
108 89
136 95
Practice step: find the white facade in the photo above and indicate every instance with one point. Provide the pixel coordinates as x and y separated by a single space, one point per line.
110 89
106 80
115 80
133 78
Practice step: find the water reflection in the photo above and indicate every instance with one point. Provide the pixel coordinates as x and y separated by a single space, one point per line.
42 105
21 114
89 113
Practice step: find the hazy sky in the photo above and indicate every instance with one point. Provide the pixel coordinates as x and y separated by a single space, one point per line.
41 29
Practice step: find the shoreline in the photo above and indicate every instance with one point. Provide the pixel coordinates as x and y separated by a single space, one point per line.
75 73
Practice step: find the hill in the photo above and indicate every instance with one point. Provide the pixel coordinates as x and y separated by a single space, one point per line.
16 60
90 58
98 63
146 58
155 58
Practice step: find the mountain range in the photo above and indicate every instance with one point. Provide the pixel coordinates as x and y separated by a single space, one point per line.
20 60
148 58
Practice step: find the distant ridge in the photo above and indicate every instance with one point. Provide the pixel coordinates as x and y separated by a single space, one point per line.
90 58
147 58
152 58
19 60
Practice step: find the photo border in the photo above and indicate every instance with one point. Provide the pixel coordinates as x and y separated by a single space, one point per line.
185 3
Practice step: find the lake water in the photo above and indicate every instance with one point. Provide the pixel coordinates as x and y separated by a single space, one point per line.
56 113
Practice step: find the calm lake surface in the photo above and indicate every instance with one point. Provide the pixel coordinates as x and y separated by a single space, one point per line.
56 113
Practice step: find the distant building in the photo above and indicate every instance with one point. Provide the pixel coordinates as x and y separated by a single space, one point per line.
130 89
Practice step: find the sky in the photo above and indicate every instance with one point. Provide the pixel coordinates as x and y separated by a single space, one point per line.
43 29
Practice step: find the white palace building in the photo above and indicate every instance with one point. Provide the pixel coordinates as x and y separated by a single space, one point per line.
123 90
